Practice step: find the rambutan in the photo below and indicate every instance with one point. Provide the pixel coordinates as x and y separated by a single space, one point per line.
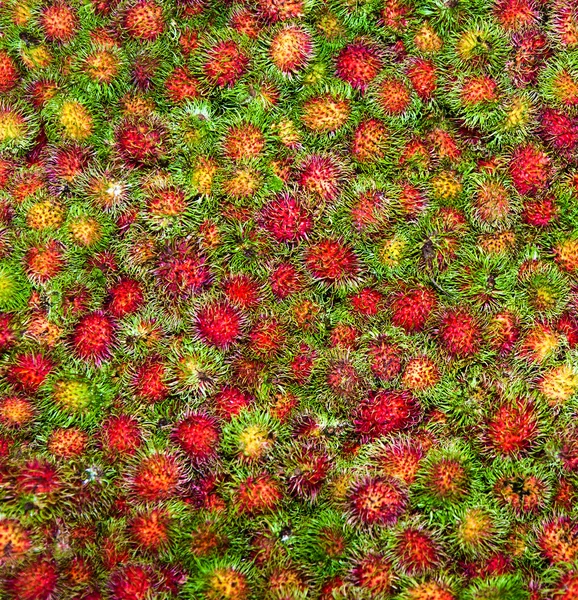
226 63
558 384
242 290
8 72
416 551
243 141
267 337
150 380
369 141
120 436
198 435
132 582
125 298
94 336
29 371
157 477
560 130
291 48
558 540
358 64
384 359
375 574
14 540
343 379
476 531
45 262
566 255
257 495
37 580
286 280
460 333
420 374
287 219
281 10
219 324
514 15
429 590
73 395
15 412
524 494
230 401
393 96
529 169
227 583
423 77
140 142
331 260
320 176
326 113
144 20
376 501
150 530
446 479
367 301
67 442
401 460
37 477
59 22
412 309
513 427
181 85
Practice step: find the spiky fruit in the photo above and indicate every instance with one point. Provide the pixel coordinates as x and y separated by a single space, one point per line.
430 590
120 436
226 62
287 219
290 49
140 142
38 477
151 529
219 324
331 260
373 573
157 477
369 141
447 479
321 176
529 169
281 10
416 550
72 395
420 374
150 381
35 581
14 540
126 297
45 262
8 72
257 495
198 436
460 333
93 337
45 215
144 20
29 371
227 583
326 113
411 309
558 540
513 427
67 443
358 64
384 412
15 412
376 501
243 141
423 76
384 359
558 384
394 96
132 582
59 21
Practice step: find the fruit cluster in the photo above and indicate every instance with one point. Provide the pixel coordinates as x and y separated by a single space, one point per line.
288 299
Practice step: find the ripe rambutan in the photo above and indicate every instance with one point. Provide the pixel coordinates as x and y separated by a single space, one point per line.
308 472
144 20
245 21
420 374
321 176
14 540
219 324
377 501
412 309
386 411
242 290
36 580
181 85
243 141
198 435
375 574
286 219
67 442
182 270
125 298
15 412
416 551
59 22
132 582
567 588
266 337
524 494
367 302
529 169
230 401
44 262
384 359
150 381
37 477
514 15
369 141
423 77
257 495
8 72
460 333
291 48
226 63
401 459
566 255
558 540
540 213
513 427
29 371
393 96
150 530
331 260
358 64
558 384
157 477
285 280
227 583
343 379
140 142
281 10
94 336
120 436
326 113
560 130
446 479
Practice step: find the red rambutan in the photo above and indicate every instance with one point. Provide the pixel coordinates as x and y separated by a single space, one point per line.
386 411
320 176
375 574
513 427
121 436
93 337
529 169
144 20
358 64
219 324
411 309
331 260
226 63
37 477
8 72
460 333
385 359
125 298
558 540
59 22
198 436
286 219
416 550
140 142
290 48
35 581
132 582
257 495
151 529
285 280
377 501
29 371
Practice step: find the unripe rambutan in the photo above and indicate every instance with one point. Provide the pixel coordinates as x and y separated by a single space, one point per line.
420 374
281 10
72 395
320 176
85 231
244 183
94 336
44 262
393 96
140 142
29 371
198 435
75 120
257 495
144 20
67 443
326 113
132 582
14 540
460 333
13 126
539 343
291 48
219 324
558 384
375 574
358 64
157 477
59 22
529 169
557 540
227 583
512 427
243 141
45 215
411 309
369 141
566 255
331 260
102 66
376 501
226 63
150 530
287 219
416 551
15 412
120 436
8 72
565 88
35 581
476 531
